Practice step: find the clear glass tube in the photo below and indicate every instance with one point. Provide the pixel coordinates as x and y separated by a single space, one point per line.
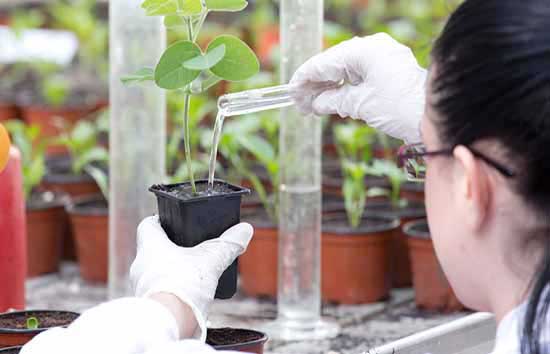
256 100
137 134
299 263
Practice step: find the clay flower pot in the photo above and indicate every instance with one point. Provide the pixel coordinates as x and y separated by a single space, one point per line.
47 117
233 339
89 218
258 265
191 219
13 325
401 269
46 227
432 290
355 263
60 178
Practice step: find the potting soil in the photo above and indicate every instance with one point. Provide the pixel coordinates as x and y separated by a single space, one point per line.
45 319
185 192
228 336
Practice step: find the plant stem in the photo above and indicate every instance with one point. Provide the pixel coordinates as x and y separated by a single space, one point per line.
186 135
198 27
190 30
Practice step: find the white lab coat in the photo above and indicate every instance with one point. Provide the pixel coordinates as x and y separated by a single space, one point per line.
143 326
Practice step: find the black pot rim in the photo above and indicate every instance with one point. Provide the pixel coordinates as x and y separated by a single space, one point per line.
75 206
60 201
261 340
392 224
7 349
30 331
238 191
414 209
66 178
409 230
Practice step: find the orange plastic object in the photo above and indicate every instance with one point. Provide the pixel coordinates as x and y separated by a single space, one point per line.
4 147
13 248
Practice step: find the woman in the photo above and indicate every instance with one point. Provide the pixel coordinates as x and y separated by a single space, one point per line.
483 116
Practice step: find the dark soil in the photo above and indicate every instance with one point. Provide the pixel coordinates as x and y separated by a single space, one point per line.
95 205
230 336
413 186
45 319
185 192
408 209
338 224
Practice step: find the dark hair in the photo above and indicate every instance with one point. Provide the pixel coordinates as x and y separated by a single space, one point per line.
492 83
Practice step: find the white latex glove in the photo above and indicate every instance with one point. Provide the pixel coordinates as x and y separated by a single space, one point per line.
191 274
383 85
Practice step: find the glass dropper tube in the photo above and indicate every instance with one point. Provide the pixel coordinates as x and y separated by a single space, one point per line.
256 100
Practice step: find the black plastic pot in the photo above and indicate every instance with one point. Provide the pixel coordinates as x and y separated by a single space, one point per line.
10 350
189 221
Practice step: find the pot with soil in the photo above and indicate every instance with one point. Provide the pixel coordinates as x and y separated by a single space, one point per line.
405 211
432 290
15 328
46 227
236 339
258 265
60 178
89 218
190 218
356 262
413 191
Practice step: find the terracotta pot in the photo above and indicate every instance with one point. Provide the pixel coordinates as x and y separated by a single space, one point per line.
8 111
413 191
89 218
401 268
46 118
258 265
46 227
356 267
253 345
73 185
432 290
13 336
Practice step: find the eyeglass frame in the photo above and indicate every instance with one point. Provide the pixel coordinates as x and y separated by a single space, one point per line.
402 156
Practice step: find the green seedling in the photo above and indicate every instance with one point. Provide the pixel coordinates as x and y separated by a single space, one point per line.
396 176
55 90
32 148
190 69
32 323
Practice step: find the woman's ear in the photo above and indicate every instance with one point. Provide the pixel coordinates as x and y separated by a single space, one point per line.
472 187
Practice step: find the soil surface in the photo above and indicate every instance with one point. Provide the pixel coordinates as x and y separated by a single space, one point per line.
339 224
229 336
90 206
406 210
185 192
45 319
43 200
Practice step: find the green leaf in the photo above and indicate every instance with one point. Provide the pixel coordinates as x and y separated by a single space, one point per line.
143 74
258 147
96 154
226 5
171 21
32 323
100 178
170 73
205 62
239 62
170 7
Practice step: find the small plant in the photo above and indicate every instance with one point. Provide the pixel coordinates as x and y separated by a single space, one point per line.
32 323
396 176
86 154
354 191
55 90
189 69
32 148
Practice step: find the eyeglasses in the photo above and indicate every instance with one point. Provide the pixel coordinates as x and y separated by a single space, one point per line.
412 157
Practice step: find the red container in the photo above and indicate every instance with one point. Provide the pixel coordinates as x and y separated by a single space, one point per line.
13 247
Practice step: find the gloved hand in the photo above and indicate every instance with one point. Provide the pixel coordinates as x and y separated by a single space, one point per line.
191 274
382 85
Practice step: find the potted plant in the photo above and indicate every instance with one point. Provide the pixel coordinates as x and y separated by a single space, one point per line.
396 207
432 290
356 249
19 327
45 214
234 339
89 219
193 212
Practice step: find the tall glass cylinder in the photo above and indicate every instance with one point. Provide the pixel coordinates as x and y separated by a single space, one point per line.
299 264
137 134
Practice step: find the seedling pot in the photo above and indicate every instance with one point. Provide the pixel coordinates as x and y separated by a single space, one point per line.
258 265
46 227
356 263
13 325
190 220
432 290
233 339
89 217
401 268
